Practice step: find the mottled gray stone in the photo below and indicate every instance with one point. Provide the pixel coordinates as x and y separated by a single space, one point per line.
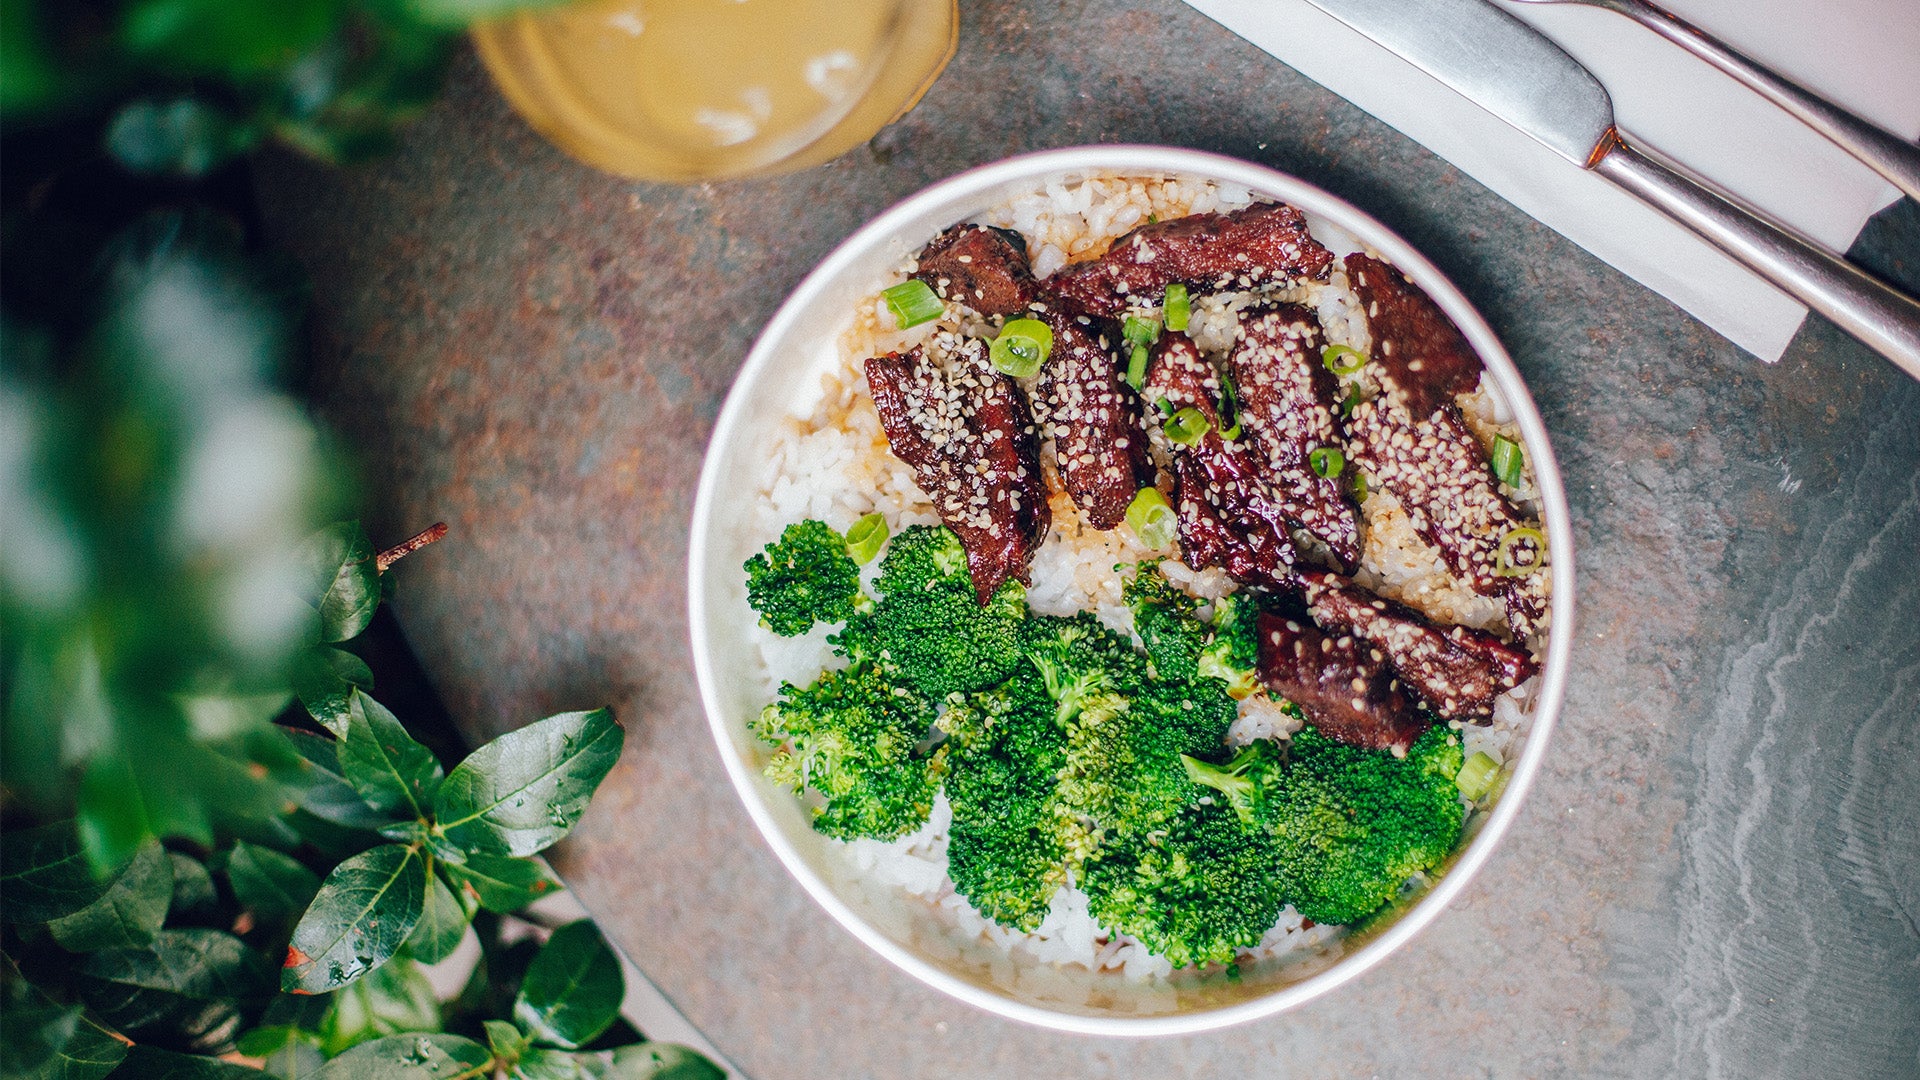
1718 873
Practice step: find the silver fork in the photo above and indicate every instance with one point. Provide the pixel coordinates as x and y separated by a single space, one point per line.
1885 153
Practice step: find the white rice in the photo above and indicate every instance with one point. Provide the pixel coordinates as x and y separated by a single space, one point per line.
835 465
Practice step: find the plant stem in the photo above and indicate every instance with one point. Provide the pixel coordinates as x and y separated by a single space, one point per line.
408 546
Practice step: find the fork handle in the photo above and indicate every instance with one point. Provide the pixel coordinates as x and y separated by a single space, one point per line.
1885 153
1886 320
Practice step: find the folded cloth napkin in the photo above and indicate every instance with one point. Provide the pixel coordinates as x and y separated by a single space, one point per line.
1860 54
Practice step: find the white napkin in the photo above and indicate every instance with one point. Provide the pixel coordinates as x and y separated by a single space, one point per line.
1861 54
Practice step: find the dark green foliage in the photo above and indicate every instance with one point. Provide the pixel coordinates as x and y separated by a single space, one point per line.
1194 890
1232 653
1352 825
572 991
525 790
805 577
929 631
1005 848
852 736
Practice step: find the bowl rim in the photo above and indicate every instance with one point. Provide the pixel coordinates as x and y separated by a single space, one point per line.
1141 159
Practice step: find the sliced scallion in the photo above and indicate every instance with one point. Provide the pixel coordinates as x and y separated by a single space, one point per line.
1139 331
1023 345
1151 519
1137 367
1342 360
1165 406
1351 401
1229 409
1475 778
1327 461
1507 459
912 303
865 538
1177 308
1359 486
1511 545
1186 427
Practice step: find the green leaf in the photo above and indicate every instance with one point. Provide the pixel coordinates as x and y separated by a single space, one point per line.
326 794
187 983
324 679
285 1051
44 874
662 1061
396 997
573 990
194 897
526 789
391 771
149 1063
213 37
41 1039
271 885
182 137
411 1057
343 579
500 882
113 817
442 925
457 14
506 1041
539 1064
362 914
129 913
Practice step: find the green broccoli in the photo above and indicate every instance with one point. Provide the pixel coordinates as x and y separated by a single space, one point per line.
1194 890
804 577
1232 654
852 736
1006 851
1351 824
928 631
1164 618
1085 665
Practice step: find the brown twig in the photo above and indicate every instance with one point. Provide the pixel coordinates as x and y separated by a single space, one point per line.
408 546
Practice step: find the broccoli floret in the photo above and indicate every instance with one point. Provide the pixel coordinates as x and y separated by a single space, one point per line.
1351 824
1163 617
852 737
1232 655
928 631
804 577
1193 891
1085 665
1006 851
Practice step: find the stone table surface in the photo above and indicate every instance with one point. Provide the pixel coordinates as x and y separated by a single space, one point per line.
1718 874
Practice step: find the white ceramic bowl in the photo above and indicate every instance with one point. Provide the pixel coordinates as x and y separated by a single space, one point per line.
780 379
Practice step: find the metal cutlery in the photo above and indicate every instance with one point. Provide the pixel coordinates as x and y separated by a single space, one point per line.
1884 152
1518 74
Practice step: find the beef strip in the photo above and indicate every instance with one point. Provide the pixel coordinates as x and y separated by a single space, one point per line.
1339 682
1080 401
1261 245
1223 499
1413 441
965 430
1456 671
1286 394
984 268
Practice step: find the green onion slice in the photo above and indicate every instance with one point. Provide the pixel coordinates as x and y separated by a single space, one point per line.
1342 360
912 303
1351 401
1023 345
1476 777
1186 427
1140 331
865 538
1503 562
1177 307
1229 409
1507 459
1327 461
1165 406
1151 519
1359 486
1137 367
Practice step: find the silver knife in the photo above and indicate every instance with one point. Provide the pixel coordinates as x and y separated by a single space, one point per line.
1516 73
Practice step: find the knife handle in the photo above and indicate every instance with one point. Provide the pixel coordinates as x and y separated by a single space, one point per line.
1882 151
1886 320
